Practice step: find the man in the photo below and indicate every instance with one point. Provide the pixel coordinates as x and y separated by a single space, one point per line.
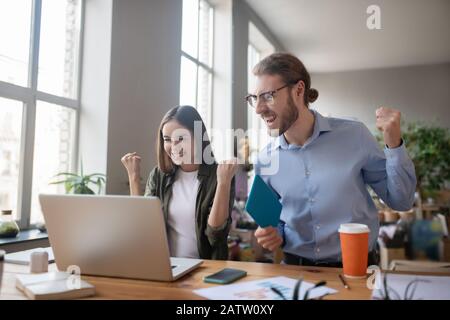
325 166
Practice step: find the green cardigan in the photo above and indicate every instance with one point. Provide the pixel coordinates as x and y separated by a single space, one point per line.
211 242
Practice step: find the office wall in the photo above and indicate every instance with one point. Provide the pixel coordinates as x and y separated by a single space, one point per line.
419 92
131 66
144 81
95 74
222 58
131 78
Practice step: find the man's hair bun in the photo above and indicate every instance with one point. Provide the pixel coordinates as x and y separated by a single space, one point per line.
312 95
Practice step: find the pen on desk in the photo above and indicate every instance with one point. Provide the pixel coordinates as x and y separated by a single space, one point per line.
346 286
278 292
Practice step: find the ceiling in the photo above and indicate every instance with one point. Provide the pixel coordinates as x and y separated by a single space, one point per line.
332 35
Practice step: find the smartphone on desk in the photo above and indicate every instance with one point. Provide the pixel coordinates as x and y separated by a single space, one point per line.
225 276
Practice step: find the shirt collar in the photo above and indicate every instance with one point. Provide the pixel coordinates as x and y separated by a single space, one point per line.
321 124
204 170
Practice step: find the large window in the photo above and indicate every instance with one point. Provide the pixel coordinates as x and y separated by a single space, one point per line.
254 122
39 75
196 76
258 48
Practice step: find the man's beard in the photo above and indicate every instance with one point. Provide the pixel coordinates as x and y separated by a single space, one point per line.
286 119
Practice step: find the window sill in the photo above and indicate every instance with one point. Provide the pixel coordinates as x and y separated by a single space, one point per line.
25 236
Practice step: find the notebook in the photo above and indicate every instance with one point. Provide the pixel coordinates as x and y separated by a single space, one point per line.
52 286
411 286
263 204
23 257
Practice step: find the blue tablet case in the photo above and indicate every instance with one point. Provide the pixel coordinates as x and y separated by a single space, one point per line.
263 204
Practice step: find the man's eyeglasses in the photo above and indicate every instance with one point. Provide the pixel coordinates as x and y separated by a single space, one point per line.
266 97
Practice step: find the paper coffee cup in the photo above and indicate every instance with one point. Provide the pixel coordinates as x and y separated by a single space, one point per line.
355 249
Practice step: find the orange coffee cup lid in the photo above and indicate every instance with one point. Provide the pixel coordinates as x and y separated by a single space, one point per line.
353 228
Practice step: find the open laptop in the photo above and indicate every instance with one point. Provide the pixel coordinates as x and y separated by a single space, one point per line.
113 236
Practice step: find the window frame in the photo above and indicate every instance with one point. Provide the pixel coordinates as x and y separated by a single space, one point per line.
29 96
199 64
253 122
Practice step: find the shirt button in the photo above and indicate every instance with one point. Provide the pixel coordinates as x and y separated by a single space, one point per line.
317 227
318 250
308 173
312 200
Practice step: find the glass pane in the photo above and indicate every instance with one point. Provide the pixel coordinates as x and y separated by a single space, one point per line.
59 47
255 123
204 96
206 33
53 151
189 35
15 21
188 82
10 135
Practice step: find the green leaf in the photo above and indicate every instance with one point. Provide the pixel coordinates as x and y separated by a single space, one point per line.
99 184
58 182
83 190
66 174
68 186
96 174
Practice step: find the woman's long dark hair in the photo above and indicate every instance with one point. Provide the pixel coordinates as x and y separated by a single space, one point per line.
187 116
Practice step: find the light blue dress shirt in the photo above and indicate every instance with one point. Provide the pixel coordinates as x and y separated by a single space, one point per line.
324 183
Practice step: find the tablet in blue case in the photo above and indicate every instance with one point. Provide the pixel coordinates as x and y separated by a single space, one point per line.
263 204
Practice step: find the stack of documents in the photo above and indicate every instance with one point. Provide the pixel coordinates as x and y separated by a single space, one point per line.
53 285
421 287
261 290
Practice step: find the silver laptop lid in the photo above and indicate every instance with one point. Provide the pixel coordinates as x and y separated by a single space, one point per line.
115 236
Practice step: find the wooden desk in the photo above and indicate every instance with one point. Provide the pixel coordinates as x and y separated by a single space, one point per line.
114 288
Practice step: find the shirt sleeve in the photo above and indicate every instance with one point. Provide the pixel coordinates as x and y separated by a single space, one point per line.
391 173
280 228
217 234
150 187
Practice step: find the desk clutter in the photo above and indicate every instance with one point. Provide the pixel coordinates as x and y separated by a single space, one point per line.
421 233
276 288
390 286
53 286
25 257
40 284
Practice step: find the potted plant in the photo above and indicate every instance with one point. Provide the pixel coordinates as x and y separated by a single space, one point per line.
429 149
79 183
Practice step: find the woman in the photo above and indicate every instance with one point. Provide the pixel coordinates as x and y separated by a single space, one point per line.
196 193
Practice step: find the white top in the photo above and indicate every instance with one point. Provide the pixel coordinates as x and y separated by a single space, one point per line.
181 219
354 228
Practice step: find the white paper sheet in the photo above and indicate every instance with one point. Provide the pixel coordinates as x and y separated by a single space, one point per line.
428 287
260 290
